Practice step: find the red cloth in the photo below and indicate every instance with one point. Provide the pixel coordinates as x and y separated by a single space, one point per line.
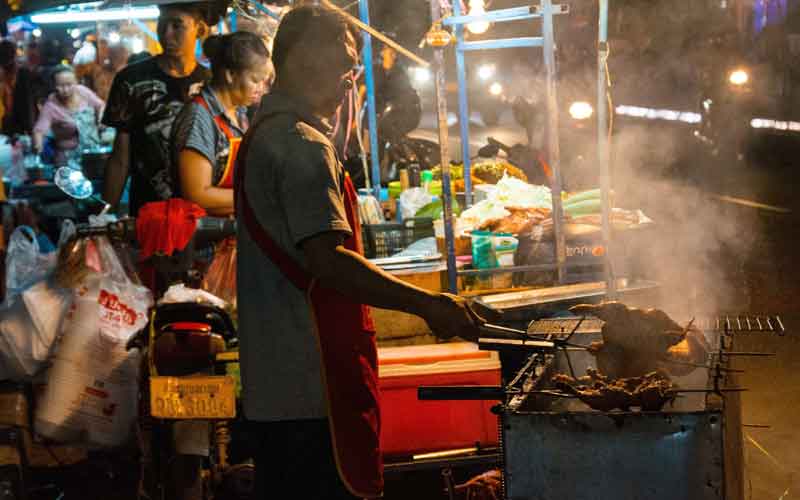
164 227
349 354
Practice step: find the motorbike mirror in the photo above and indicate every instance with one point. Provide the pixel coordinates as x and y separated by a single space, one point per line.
75 185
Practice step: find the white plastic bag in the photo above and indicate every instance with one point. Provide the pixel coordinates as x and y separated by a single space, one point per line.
46 305
25 264
411 200
181 293
92 387
16 347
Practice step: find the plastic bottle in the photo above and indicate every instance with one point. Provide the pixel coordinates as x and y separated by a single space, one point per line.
414 174
404 180
427 178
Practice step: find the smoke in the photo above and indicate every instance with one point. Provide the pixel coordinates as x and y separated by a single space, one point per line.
698 246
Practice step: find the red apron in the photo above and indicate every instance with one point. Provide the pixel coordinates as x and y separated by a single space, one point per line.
346 339
226 181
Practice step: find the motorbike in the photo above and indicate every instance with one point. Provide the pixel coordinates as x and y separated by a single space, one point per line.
187 350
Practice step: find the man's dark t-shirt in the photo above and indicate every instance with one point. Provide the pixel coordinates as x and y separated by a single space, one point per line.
144 102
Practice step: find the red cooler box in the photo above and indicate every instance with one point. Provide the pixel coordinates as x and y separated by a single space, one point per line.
411 426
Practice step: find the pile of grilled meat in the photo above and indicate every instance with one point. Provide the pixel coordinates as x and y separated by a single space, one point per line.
640 349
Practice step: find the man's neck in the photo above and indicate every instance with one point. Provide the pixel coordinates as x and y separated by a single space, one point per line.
295 93
177 67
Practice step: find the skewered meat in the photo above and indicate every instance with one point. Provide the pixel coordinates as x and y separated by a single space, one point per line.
486 486
638 341
649 392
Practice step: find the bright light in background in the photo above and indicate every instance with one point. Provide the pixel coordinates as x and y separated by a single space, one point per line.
36 32
95 15
659 114
581 110
137 45
775 124
113 37
421 75
739 77
75 33
486 71
477 8
495 89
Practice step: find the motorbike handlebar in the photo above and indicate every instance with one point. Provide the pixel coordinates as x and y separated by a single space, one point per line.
208 229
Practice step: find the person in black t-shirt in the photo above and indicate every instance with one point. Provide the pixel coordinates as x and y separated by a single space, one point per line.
143 102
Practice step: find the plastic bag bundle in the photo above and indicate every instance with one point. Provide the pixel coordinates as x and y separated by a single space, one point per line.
92 387
26 263
220 279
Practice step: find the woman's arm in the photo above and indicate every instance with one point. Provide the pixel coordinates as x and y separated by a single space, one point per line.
195 175
42 127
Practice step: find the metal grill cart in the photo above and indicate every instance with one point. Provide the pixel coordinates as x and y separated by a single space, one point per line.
545 12
554 446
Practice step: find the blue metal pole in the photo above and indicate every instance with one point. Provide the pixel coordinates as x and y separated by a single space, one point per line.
145 29
266 11
463 106
233 21
553 151
369 80
444 153
603 146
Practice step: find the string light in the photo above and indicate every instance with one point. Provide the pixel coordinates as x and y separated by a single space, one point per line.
477 8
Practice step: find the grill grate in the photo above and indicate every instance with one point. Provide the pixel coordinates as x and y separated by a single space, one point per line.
742 323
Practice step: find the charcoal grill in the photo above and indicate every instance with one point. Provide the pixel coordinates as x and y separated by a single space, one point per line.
557 447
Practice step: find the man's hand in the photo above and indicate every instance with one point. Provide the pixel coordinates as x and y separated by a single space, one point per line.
451 316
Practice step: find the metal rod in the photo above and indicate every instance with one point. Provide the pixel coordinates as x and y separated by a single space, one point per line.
494 16
444 154
377 34
506 43
463 108
147 31
372 119
780 323
265 10
553 153
603 147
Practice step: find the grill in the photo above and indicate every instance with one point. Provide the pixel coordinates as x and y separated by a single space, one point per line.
555 446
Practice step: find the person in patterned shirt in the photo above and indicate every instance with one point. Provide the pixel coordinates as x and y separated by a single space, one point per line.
144 100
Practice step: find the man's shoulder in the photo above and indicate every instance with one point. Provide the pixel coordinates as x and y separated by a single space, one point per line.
146 68
289 129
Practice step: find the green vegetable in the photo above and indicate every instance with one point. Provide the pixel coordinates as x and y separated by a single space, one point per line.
582 196
585 207
434 209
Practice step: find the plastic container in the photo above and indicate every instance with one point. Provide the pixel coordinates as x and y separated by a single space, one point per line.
385 240
411 426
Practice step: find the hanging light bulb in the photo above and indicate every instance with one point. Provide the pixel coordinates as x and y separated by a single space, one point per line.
477 8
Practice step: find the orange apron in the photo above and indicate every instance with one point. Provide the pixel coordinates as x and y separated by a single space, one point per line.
346 338
234 142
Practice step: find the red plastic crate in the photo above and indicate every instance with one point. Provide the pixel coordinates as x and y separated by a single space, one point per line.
410 426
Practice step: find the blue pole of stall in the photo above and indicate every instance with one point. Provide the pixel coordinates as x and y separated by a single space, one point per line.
145 29
463 105
603 146
233 21
369 80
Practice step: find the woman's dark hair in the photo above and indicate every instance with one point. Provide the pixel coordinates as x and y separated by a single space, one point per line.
234 52
316 24
61 68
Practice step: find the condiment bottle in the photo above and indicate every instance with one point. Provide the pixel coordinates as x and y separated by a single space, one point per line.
404 180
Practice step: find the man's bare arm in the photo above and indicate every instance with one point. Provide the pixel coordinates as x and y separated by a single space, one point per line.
354 276
117 169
